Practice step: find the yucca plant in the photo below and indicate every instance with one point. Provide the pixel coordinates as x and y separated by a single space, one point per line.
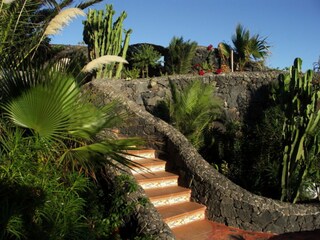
193 109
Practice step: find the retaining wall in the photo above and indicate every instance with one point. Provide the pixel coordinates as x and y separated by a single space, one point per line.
226 202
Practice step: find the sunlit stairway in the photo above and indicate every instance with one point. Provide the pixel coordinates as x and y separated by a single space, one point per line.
184 217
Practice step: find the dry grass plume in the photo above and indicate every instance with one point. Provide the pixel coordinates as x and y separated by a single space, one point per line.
62 19
101 61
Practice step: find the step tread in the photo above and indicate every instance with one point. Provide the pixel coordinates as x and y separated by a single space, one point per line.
150 161
201 229
145 165
140 151
166 192
177 210
162 175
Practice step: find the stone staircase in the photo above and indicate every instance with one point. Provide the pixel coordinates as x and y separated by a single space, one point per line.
171 200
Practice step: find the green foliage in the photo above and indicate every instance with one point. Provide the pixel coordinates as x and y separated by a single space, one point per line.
23 23
143 57
246 48
193 109
41 200
180 55
49 146
104 37
38 199
249 154
299 101
133 73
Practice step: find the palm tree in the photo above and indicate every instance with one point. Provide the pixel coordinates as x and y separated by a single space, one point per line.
180 55
193 109
246 48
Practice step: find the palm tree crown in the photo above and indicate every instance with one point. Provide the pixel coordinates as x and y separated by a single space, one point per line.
246 48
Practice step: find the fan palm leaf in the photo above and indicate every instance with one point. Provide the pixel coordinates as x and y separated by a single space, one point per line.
58 114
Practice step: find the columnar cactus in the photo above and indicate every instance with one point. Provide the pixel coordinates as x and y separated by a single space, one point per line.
104 37
300 103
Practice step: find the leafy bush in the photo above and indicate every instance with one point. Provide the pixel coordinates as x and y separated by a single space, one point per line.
143 57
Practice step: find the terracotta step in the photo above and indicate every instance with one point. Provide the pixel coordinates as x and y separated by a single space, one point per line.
182 213
141 154
149 165
201 229
168 195
156 180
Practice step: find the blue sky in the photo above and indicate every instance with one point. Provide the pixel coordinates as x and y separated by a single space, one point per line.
291 26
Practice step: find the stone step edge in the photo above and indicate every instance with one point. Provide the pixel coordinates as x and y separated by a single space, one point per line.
186 217
170 199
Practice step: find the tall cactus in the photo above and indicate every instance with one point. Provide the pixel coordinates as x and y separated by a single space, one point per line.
300 102
104 37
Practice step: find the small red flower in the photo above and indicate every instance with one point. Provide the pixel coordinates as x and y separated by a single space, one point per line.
218 71
201 72
209 48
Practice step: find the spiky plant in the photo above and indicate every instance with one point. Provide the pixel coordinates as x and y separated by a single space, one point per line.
193 109
179 56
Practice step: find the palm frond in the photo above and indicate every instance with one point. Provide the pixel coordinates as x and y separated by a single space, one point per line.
99 154
193 109
44 109
88 3
101 61
62 19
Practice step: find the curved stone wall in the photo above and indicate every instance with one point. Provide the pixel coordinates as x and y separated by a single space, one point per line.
226 202
237 90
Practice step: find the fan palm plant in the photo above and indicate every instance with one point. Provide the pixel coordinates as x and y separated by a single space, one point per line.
193 109
55 111
246 47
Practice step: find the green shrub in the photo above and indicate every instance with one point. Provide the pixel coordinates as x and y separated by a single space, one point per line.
143 57
193 109
249 155
133 73
179 56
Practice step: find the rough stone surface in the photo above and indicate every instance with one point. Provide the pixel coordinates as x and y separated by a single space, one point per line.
225 201
237 90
